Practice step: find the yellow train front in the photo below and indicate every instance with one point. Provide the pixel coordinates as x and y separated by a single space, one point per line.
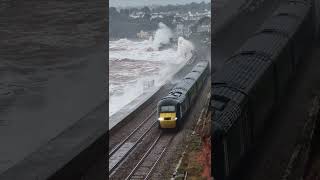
168 114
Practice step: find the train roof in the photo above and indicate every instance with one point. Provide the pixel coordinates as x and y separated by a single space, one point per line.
179 91
168 100
272 46
283 24
228 117
194 75
242 72
197 69
202 63
298 8
185 84
226 104
224 94
177 94
200 67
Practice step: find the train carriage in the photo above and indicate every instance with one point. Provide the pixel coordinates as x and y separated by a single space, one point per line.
286 26
233 128
250 84
293 19
246 80
173 108
252 75
275 48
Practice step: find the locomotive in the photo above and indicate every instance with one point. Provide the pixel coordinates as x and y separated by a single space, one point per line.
250 84
173 108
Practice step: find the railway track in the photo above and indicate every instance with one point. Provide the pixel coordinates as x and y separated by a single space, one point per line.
119 153
145 166
125 153
152 156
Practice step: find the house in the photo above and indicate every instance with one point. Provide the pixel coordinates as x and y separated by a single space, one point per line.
143 35
183 29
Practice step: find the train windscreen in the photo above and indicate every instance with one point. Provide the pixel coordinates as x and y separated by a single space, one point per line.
167 109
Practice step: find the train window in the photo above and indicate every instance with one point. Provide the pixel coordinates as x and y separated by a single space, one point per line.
167 109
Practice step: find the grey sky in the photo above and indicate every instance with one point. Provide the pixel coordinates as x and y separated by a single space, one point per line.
123 3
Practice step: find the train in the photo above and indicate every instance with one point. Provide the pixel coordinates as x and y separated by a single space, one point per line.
248 87
173 108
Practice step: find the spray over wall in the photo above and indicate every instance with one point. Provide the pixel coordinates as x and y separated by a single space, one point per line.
185 49
162 36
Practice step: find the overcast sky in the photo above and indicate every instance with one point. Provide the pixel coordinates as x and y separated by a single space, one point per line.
131 3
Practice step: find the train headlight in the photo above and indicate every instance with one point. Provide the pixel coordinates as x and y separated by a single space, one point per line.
160 118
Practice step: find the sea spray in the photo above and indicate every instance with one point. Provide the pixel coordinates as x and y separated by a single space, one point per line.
162 36
126 80
185 50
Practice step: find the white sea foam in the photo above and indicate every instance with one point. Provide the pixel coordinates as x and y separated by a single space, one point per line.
134 66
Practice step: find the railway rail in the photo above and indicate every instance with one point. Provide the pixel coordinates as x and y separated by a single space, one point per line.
118 154
114 149
122 129
146 140
152 156
130 154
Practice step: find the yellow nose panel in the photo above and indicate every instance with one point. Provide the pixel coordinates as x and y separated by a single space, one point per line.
172 116
168 120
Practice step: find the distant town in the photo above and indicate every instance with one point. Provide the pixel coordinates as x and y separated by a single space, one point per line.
188 20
